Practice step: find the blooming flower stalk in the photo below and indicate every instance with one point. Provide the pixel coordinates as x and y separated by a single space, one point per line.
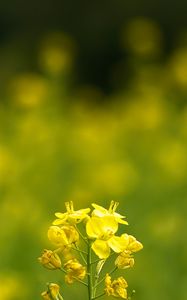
98 233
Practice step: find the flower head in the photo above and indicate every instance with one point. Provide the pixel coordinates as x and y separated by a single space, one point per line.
64 236
125 259
103 230
133 245
50 260
74 270
116 288
100 211
71 216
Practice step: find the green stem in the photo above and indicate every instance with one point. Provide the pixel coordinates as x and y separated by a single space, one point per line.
81 254
84 238
96 261
89 269
98 296
80 251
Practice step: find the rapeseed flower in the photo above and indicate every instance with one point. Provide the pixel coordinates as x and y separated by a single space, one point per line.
133 245
71 216
116 288
50 260
63 237
103 230
125 259
74 271
98 232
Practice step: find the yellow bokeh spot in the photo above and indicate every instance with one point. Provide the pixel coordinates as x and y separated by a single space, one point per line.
178 67
12 286
172 158
56 53
28 90
143 37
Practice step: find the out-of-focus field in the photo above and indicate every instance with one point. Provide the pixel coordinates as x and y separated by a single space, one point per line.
60 143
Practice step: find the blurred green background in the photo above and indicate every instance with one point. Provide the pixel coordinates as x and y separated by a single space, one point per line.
93 108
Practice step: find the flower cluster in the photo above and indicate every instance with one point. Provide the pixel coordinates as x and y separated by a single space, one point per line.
98 232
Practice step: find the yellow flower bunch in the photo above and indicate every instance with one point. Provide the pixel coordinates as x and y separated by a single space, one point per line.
82 250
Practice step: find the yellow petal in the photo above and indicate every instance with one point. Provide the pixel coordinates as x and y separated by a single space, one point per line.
117 244
60 215
83 211
110 225
135 246
94 227
119 220
57 236
99 210
101 249
59 221
102 228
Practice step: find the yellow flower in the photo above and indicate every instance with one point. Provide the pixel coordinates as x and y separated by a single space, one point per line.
116 288
133 245
63 237
50 260
103 230
52 293
125 260
100 211
74 271
71 216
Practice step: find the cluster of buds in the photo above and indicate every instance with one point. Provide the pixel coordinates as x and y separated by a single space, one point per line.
98 232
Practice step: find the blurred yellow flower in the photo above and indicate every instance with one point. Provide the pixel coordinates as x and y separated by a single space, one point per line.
29 90
103 230
74 271
178 67
71 216
116 288
63 237
56 55
143 37
50 260
12 285
100 211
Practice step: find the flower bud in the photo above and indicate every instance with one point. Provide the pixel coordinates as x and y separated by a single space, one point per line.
124 261
74 270
50 260
52 293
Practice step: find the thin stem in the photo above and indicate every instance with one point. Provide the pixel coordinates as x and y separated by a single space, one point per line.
96 261
79 280
79 250
80 233
98 296
81 254
104 277
89 268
